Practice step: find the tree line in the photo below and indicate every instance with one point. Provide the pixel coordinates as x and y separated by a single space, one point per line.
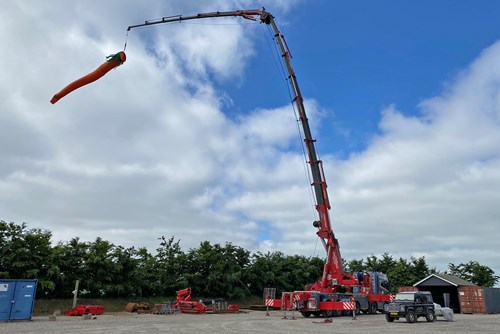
211 270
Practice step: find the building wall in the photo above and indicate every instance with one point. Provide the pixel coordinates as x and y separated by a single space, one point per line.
407 289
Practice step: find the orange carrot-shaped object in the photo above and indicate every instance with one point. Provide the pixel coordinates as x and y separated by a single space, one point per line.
111 62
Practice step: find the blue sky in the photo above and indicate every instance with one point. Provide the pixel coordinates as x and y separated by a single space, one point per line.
357 57
194 136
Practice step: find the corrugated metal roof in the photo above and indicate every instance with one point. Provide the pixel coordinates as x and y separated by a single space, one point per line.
450 279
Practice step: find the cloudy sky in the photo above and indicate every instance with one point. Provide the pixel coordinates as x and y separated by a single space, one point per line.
195 136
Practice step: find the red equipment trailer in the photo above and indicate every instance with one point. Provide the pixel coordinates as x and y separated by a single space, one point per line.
335 291
85 309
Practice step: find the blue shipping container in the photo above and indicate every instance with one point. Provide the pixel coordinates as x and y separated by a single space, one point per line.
17 297
492 300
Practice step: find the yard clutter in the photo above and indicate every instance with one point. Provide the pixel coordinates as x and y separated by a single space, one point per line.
184 304
445 312
139 307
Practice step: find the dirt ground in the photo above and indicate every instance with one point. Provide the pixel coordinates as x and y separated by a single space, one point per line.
246 322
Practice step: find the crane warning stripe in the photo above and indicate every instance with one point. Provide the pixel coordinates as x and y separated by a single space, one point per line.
349 305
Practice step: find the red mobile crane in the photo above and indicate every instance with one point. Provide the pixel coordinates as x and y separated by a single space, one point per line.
364 291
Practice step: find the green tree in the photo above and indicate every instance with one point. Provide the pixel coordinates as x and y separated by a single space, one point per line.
261 272
475 273
147 274
216 271
211 270
374 263
231 269
100 268
420 269
406 273
169 267
285 273
126 281
300 271
70 258
400 274
354 266
386 263
27 254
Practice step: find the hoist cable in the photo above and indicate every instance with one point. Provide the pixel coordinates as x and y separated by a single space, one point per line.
126 39
279 61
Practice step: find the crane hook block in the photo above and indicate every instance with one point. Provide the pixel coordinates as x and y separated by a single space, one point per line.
111 62
265 17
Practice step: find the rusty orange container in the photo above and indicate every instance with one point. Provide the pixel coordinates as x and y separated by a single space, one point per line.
471 299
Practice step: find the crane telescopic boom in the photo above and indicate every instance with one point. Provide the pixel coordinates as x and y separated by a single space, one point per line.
333 271
246 14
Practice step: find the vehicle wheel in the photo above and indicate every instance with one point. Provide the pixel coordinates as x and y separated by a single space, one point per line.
337 313
306 314
316 314
430 316
411 317
389 318
372 308
327 313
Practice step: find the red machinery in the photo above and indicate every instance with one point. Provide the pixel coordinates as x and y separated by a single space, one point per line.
185 304
85 309
336 290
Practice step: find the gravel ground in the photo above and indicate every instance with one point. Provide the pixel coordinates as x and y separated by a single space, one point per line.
247 322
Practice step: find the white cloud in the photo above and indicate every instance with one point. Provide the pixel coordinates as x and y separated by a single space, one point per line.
145 149
429 184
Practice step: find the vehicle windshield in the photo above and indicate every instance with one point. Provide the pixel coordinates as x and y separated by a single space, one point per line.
405 296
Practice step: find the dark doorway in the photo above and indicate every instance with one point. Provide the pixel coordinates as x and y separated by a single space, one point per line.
438 297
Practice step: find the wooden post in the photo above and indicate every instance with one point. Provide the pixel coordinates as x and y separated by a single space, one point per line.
75 293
